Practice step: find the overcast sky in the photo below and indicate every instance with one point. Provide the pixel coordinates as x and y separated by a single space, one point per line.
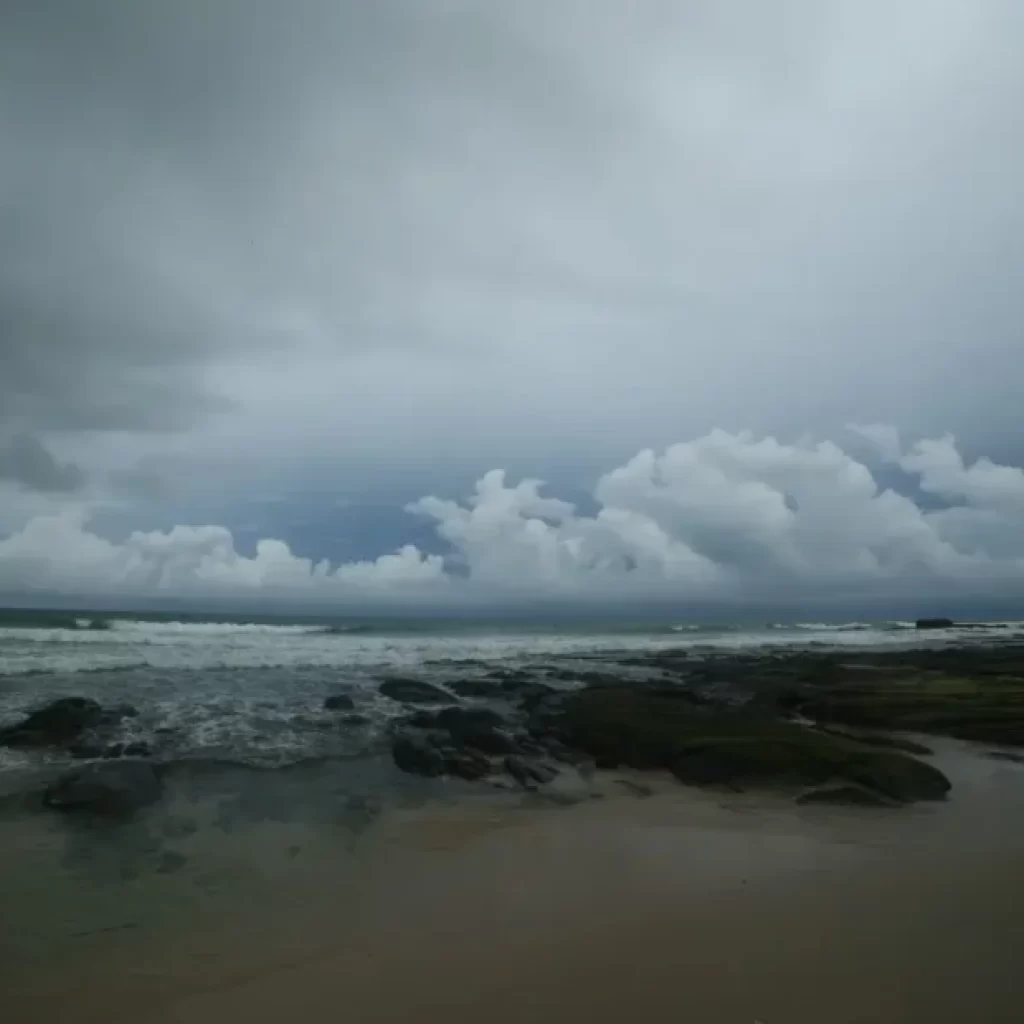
272 272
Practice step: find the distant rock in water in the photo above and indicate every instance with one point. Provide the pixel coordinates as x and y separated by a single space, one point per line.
339 702
934 624
58 723
414 691
106 787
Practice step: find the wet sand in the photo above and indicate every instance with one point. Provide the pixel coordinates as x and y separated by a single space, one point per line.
678 907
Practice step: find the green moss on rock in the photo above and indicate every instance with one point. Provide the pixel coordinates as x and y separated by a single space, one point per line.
705 745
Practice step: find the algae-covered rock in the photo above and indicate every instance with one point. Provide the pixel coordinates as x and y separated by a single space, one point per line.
705 745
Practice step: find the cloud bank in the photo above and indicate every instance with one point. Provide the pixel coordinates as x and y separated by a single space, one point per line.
265 233
725 518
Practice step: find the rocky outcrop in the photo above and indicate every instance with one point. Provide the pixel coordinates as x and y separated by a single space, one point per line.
415 691
115 788
704 745
56 724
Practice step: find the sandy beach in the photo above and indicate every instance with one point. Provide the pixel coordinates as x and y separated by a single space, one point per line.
679 906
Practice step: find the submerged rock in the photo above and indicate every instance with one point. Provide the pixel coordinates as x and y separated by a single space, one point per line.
106 787
414 691
339 702
58 723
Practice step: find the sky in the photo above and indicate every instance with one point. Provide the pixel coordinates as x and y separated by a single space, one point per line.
299 301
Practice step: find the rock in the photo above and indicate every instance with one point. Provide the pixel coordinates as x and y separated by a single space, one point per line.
57 724
529 773
845 795
474 687
106 787
934 624
709 745
874 739
417 755
355 720
467 764
171 861
339 702
422 720
477 728
528 693
414 691
458 719
118 713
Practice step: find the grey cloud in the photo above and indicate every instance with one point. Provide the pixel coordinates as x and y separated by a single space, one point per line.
390 221
26 461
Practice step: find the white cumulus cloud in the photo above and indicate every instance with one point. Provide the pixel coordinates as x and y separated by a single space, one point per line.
725 517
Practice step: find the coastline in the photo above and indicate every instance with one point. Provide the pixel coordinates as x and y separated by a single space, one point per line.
683 903
350 886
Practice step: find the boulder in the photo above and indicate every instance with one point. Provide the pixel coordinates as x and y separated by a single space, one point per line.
416 755
106 787
846 795
339 702
934 624
466 764
529 774
414 691
58 723
478 729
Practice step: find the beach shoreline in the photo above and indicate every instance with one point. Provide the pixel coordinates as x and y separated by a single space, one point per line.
680 906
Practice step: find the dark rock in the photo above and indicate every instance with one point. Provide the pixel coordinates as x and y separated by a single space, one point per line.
474 687
934 624
528 693
845 795
88 751
106 787
118 713
477 728
417 755
707 745
874 739
457 719
422 720
414 691
529 773
467 764
58 723
339 702
171 861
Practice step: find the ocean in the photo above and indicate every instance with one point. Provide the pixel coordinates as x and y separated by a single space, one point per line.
252 692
